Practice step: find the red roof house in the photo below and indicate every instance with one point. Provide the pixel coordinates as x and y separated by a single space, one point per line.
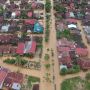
82 52
30 21
28 47
84 63
3 74
33 47
71 20
20 48
66 60
29 14
13 77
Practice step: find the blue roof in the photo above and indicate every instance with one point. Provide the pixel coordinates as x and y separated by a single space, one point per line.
38 27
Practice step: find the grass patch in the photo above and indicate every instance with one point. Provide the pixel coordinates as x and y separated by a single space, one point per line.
75 84
32 79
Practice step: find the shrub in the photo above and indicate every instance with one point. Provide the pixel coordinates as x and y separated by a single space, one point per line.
47 66
23 62
63 71
48 6
88 76
9 61
32 79
46 57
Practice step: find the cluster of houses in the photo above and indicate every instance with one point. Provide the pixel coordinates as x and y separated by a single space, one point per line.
71 50
12 80
19 19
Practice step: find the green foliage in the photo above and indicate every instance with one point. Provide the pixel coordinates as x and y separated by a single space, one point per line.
48 6
46 57
74 69
88 76
65 33
18 61
59 8
47 32
9 61
23 15
47 66
1 9
29 55
63 71
75 83
23 62
32 79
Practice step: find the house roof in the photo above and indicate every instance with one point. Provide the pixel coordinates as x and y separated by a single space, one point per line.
63 49
29 14
82 51
38 27
71 14
33 47
65 43
3 74
66 60
84 63
71 20
35 87
30 21
28 47
72 26
20 48
16 86
12 78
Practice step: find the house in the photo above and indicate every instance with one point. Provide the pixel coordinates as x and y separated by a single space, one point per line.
16 86
38 28
65 43
71 20
72 26
20 48
82 52
65 60
15 14
3 75
5 28
28 47
40 1
63 66
75 31
13 79
71 14
35 87
7 49
67 51
84 63
30 21
8 39
29 14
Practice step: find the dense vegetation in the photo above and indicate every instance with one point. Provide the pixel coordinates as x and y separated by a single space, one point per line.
74 69
75 84
32 79
48 6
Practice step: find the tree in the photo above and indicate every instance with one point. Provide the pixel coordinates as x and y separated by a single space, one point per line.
48 6
47 66
59 8
46 57
63 71
18 60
